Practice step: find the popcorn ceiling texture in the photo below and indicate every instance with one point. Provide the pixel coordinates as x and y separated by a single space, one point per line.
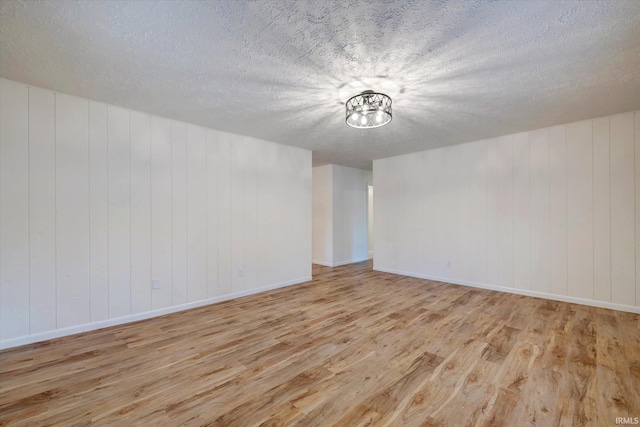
281 70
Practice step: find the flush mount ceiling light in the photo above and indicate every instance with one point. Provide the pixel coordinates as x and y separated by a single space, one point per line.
368 110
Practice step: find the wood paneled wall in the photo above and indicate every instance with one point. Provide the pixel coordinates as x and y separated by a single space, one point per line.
96 201
552 212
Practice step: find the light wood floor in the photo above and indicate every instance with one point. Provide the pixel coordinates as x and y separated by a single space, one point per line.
352 348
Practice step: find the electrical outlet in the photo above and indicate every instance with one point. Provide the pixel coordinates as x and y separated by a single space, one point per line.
155 284
240 273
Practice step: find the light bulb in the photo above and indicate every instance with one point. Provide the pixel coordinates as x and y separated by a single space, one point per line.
363 120
355 117
379 117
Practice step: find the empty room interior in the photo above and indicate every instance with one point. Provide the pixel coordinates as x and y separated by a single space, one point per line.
319 213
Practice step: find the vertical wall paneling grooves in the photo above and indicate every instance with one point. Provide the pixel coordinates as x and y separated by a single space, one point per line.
436 204
623 267
280 216
272 220
224 214
505 212
408 227
453 174
337 201
97 202
237 215
14 210
492 210
179 211
42 226
429 230
98 211
294 211
580 209
558 210
465 255
197 213
479 205
72 211
521 211
415 253
161 215
212 212
140 134
398 225
263 199
250 227
637 196
601 211
539 210
119 200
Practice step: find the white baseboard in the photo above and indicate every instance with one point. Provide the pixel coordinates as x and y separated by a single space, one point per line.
555 297
57 333
339 263
370 254
351 261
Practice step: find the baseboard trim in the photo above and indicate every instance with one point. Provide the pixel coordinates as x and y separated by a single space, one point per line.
324 263
529 293
57 333
339 263
351 261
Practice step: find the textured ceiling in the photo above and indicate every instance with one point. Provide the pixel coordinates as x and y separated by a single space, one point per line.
281 70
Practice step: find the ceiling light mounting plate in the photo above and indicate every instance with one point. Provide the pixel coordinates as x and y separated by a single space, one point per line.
368 110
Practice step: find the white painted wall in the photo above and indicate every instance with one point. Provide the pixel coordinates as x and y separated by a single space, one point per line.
553 212
339 214
322 196
349 214
370 235
97 200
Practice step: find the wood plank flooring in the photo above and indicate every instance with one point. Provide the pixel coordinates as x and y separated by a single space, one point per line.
353 347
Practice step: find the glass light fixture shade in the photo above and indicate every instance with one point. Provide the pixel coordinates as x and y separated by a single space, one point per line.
368 110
